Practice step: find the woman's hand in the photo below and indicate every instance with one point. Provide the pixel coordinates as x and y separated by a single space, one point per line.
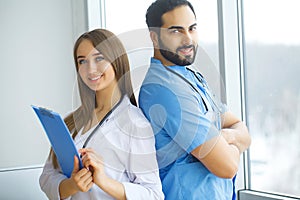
92 161
80 180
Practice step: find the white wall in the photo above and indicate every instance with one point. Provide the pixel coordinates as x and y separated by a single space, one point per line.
21 184
36 67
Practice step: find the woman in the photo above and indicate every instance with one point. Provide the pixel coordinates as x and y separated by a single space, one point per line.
114 139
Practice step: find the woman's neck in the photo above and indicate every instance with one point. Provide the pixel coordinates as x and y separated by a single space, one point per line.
106 101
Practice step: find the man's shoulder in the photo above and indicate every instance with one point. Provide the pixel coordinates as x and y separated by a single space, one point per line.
156 73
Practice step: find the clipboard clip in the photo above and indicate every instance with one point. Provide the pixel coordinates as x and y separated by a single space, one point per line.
46 112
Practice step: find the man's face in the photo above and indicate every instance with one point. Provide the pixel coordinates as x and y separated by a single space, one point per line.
178 37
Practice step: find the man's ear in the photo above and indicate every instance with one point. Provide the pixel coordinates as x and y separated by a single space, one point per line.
154 38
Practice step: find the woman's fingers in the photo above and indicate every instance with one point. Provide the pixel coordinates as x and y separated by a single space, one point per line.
76 165
83 179
90 158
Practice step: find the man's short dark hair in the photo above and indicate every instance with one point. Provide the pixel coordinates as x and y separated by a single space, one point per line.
159 7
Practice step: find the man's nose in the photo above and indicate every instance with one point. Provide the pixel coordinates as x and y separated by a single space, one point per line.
187 38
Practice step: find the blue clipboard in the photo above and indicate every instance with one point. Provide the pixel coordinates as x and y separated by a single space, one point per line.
60 139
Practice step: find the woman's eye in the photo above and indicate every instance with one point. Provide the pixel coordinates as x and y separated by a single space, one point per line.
99 58
82 62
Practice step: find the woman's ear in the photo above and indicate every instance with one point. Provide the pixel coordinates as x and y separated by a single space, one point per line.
154 38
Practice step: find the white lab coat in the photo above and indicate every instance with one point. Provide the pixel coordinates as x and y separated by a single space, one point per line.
126 143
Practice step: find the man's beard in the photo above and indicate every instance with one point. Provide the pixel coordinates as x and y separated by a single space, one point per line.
174 57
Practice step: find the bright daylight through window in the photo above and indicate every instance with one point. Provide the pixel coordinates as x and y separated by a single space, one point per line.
273 94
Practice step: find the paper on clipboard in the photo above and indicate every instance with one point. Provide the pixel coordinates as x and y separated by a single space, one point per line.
60 139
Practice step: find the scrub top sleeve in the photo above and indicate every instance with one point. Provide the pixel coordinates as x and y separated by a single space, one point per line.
175 113
224 108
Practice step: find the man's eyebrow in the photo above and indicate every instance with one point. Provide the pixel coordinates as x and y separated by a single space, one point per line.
180 27
195 24
175 27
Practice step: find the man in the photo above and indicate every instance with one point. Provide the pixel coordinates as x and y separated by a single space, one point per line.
198 141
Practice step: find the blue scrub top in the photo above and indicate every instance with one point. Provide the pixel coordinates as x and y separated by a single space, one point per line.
182 117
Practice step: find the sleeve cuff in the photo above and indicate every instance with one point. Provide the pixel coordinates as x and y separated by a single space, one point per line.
137 192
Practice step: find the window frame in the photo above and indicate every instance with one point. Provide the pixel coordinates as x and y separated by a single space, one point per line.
233 65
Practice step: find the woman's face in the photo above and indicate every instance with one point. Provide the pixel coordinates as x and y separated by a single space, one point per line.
95 71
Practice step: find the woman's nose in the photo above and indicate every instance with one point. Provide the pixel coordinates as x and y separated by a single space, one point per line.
92 67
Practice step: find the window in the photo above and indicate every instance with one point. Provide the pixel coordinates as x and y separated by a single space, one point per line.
272 45
127 17
207 20
128 21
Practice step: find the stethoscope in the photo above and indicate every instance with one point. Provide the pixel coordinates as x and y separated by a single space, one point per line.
101 122
209 96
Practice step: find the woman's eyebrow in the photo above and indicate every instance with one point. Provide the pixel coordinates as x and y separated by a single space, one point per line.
96 54
80 57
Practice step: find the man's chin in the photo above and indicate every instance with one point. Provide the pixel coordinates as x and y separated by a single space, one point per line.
177 58
187 60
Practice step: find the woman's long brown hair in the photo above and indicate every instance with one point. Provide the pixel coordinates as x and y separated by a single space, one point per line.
114 52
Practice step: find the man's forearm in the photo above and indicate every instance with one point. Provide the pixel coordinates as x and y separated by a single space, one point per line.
238 135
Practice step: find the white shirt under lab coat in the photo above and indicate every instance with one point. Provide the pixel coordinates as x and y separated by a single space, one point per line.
126 143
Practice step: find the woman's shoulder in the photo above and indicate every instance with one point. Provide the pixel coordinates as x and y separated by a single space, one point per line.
137 114
130 113
130 120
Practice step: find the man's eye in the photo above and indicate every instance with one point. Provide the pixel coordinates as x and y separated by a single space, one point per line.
174 31
194 28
